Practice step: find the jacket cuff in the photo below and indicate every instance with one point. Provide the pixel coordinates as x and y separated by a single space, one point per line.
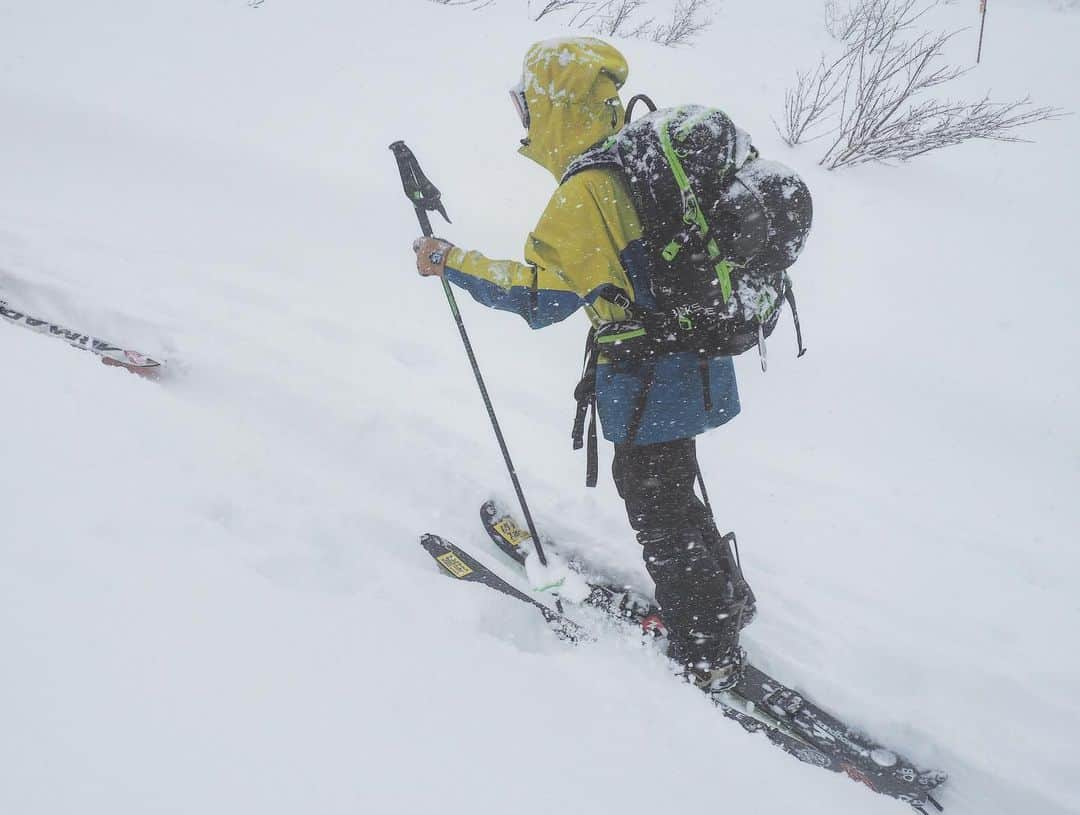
455 259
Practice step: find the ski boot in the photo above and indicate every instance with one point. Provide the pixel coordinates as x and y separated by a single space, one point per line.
696 592
719 676
713 663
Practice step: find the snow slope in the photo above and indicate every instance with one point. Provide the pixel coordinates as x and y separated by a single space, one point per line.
211 596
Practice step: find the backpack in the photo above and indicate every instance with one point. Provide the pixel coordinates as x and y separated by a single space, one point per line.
720 225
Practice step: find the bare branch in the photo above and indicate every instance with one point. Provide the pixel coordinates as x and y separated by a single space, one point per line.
932 125
611 17
620 18
616 18
687 21
809 103
553 6
877 94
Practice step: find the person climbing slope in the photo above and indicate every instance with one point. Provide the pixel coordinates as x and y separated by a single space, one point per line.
588 240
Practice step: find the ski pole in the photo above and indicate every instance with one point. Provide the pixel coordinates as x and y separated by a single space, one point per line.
425 197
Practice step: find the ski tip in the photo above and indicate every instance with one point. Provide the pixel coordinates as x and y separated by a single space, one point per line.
932 779
136 363
452 560
504 531
434 544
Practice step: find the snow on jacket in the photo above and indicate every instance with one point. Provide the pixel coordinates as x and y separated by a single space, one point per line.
590 236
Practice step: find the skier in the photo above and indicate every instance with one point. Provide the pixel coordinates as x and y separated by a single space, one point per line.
589 236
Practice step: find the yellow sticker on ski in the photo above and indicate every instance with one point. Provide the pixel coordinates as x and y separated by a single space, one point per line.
510 531
453 564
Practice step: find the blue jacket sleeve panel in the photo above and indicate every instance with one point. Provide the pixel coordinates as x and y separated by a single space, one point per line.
538 307
572 252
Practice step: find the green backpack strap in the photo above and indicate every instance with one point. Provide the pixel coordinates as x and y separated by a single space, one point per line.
693 217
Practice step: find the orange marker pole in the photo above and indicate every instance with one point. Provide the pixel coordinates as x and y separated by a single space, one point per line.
982 27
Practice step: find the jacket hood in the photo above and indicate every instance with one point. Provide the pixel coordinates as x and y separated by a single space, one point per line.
572 90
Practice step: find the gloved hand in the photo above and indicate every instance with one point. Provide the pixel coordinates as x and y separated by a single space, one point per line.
431 254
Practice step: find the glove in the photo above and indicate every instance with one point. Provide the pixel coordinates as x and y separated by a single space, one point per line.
431 254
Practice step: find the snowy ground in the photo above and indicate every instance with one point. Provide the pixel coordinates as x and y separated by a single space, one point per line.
211 595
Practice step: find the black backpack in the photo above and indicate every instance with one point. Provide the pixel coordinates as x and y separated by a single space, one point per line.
721 226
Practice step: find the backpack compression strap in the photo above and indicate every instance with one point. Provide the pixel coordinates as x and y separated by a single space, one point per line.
585 394
789 295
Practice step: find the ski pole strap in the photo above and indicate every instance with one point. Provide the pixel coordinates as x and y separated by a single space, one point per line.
585 395
790 297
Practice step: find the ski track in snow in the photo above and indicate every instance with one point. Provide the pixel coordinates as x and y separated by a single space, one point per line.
211 592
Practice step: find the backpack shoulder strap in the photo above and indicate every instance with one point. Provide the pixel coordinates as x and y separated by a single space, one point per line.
605 154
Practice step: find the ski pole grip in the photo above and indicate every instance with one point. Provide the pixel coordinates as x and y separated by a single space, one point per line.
422 194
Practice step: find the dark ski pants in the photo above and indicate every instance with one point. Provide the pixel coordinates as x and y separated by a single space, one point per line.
656 481
693 587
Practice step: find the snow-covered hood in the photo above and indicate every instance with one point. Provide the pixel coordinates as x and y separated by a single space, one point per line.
572 90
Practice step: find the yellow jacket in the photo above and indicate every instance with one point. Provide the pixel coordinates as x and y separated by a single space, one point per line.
576 246
590 236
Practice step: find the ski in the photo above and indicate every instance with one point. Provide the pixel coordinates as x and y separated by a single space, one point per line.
107 352
457 563
618 601
865 760
871 762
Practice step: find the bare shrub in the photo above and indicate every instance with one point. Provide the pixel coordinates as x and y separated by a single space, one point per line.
811 100
476 4
873 97
615 18
610 18
932 124
847 20
555 6
688 19
841 18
